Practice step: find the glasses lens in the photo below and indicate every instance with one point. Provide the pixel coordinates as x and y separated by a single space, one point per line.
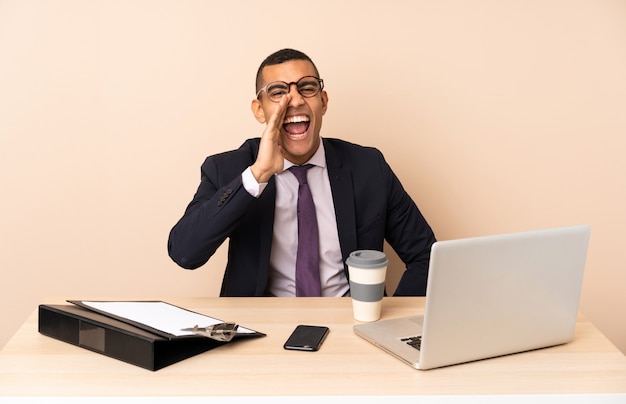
308 86
276 90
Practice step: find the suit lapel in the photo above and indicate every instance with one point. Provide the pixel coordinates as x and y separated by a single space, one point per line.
343 198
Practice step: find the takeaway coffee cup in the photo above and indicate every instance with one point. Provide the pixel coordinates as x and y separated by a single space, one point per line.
367 270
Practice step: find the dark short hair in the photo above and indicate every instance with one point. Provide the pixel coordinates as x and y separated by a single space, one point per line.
278 57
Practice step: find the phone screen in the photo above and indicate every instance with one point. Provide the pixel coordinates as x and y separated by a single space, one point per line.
306 338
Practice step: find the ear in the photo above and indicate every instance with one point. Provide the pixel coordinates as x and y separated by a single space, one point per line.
257 110
324 101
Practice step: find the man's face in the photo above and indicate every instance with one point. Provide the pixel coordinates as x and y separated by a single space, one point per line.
300 132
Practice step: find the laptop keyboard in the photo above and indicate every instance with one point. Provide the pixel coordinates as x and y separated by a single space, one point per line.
415 342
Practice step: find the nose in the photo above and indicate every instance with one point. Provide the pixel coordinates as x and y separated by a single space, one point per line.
296 98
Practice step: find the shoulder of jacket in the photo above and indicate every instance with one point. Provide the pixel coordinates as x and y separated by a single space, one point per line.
343 146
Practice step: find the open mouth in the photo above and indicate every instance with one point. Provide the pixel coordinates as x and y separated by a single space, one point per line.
296 125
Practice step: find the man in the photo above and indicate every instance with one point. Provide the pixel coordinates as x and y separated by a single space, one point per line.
249 195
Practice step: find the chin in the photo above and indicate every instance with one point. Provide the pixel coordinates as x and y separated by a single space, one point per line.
300 148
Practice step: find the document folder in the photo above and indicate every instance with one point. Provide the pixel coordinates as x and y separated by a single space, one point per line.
120 340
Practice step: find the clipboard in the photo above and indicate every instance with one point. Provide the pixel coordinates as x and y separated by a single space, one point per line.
159 317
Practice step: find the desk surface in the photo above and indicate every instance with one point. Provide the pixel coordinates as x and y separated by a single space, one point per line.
35 365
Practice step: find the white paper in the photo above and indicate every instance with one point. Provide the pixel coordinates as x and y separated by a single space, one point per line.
161 316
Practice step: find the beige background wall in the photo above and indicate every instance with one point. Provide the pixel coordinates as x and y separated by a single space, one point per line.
497 115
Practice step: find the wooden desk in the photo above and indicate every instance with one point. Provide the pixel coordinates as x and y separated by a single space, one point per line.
35 365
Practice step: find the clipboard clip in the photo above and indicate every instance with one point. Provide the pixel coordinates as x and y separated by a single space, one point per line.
220 332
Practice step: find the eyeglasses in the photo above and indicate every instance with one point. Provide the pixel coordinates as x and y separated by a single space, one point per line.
307 86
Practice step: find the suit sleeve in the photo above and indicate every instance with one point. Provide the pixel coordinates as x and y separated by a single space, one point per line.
210 218
409 234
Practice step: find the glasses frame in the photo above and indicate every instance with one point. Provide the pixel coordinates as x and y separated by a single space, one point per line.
264 89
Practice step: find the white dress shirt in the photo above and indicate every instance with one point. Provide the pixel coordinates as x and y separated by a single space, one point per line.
282 273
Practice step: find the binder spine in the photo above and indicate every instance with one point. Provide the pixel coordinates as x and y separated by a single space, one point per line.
118 340
96 337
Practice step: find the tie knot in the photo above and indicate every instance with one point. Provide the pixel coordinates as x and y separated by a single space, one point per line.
300 172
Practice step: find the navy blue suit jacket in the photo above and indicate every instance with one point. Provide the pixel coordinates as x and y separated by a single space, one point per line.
371 206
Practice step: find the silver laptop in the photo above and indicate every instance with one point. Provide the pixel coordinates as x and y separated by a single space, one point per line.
491 296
